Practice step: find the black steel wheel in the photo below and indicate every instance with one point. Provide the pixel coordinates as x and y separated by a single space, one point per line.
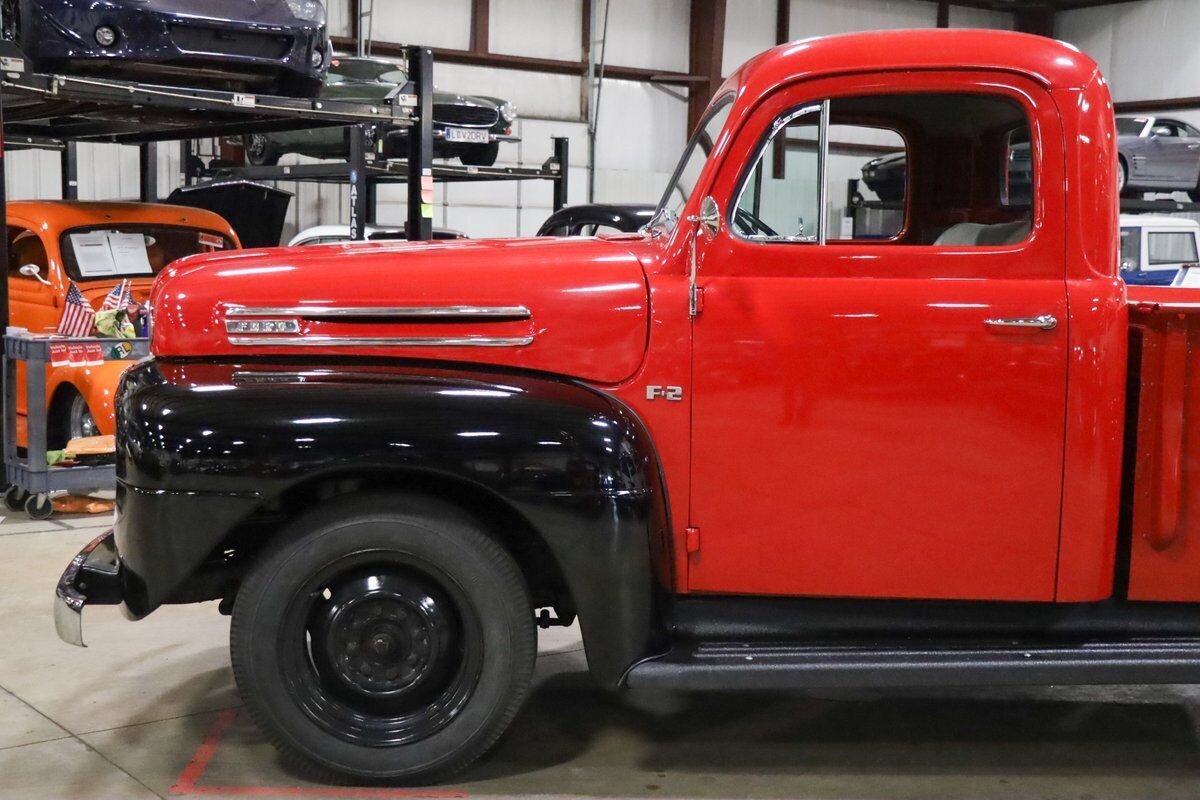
384 637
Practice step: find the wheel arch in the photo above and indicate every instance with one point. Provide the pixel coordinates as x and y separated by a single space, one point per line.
565 473
541 568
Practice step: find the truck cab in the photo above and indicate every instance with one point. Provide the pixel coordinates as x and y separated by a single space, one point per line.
741 449
1156 248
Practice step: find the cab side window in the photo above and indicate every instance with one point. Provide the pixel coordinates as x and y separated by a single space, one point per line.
26 247
1171 248
780 198
941 169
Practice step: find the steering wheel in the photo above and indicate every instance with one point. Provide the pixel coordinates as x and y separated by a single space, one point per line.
749 224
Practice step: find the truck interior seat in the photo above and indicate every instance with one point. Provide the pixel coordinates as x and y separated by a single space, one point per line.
977 234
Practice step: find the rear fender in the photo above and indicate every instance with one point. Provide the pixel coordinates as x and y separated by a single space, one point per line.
217 444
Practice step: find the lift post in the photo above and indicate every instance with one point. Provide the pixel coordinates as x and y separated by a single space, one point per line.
148 172
69 170
562 151
358 182
420 147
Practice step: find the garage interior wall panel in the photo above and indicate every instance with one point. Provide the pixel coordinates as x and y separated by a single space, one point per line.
640 135
749 30
537 28
645 34
446 23
1116 37
967 17
337 13
822 17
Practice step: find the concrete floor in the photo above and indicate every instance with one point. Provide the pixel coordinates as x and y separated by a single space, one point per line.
149 710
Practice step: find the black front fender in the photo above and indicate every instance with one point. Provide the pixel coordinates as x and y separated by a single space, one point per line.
203 447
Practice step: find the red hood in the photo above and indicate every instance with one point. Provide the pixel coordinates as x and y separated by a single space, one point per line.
576 307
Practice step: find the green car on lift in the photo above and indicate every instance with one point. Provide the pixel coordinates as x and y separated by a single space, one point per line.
467 127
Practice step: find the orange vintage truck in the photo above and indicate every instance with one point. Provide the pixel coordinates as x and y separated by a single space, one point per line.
43 259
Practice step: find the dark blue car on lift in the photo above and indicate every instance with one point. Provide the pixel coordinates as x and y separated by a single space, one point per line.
274 46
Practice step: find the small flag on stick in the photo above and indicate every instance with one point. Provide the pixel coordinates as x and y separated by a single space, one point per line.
78 316
113 299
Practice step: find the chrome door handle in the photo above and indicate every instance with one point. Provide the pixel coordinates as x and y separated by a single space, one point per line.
1043 322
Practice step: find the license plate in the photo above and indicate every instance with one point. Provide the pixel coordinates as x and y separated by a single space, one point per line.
467 135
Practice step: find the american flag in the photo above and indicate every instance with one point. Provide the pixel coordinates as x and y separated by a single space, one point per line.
78 316
127 303
114 298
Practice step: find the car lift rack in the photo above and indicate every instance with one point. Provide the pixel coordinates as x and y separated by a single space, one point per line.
40 109
364 173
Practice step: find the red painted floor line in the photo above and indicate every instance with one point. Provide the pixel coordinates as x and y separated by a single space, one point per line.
186 783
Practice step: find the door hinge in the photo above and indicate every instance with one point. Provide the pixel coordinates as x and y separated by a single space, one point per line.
696 301
693 540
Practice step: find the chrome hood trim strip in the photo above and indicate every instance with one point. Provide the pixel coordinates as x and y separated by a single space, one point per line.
381 341
394 312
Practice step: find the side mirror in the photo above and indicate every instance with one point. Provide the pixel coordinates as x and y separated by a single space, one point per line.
33 271
709 217
1160 131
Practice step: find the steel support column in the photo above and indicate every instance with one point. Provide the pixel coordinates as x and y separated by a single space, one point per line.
481 17
562 151
358 182
69 171
420 147
148 172
706 47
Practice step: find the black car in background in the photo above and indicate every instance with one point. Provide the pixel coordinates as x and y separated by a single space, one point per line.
467 127
593 218
273 46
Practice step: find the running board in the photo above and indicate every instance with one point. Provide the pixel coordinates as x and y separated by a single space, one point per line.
744 665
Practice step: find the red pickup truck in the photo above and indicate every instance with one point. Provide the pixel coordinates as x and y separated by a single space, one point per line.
743 448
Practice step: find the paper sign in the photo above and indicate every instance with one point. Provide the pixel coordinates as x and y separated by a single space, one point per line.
129 253
92 253
108 253
76 356
94 354
58 355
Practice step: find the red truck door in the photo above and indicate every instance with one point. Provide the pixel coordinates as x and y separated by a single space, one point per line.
883 417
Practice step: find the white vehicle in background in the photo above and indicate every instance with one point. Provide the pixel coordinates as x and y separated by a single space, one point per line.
1156 248
333 234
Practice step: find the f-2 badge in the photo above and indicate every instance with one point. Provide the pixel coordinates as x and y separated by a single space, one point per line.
665 392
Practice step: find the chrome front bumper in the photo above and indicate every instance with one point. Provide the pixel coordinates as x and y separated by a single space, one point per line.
92 578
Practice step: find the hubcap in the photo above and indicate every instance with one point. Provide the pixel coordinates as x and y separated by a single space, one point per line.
82 423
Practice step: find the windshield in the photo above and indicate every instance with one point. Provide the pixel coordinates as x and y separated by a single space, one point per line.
1130 126
688 172
368 70
133 251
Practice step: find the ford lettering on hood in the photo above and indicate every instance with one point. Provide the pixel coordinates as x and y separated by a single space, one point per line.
578 308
